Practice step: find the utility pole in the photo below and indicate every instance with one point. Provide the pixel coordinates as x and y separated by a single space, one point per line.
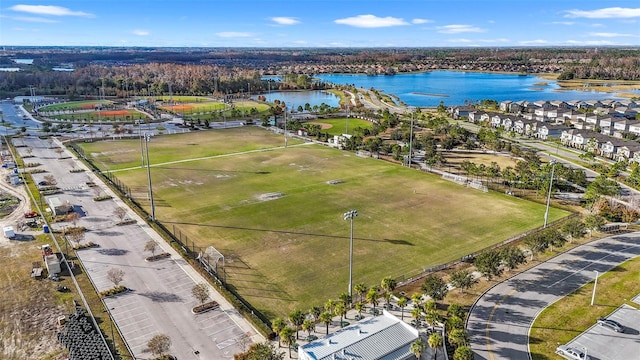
546 212
147 138
349 215
410 136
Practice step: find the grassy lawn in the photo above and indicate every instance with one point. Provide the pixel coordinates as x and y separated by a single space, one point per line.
338 126
570 316
104 116
75 105
291 250
179 98
195 107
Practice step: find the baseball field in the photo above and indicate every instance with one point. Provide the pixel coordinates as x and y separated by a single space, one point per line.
277 213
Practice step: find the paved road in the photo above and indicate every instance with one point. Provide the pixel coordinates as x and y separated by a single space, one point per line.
500 320
161 299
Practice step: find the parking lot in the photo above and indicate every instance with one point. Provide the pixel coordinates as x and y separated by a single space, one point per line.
602 343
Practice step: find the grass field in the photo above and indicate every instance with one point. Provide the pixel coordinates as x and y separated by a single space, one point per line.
105 116
570 316
278 219
179 98
74 105
195 107
338 126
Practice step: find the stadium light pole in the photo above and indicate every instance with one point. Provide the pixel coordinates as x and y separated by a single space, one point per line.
285 126
410 135
595 284
546 212
349 215
147 138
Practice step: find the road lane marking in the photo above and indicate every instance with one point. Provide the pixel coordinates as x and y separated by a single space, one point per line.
487 330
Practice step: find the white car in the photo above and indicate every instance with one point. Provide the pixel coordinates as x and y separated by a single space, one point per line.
571 353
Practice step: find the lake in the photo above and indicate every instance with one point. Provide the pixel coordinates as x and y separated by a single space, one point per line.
454 87
293 99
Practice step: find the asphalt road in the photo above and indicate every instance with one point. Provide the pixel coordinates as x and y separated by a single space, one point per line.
500 320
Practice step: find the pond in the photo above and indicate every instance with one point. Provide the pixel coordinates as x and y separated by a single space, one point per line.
293 99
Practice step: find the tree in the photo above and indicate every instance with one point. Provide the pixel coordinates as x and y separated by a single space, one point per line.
260 351
372 297
456 310
277 325
73 218
120 213
340 310
315 311
402 303
345 299
463 353
416 299
159 344
308 326
536 243
115 276
416 314
593 222
287 337
151 246
455 322
458 337
488 263
359 307
75 235
297 318
50 180
200 292
388 284
361 289
326 318
511 257
462 279
601 186
433 317
329 305
418 347
435 287
435 341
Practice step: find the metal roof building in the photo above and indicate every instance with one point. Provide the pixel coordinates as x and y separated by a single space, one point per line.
381 337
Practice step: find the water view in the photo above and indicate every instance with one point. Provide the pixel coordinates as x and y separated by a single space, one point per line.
454 87
293 99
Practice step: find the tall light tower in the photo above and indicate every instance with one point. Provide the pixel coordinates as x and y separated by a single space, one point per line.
349 215
410 136
285 126
546 212
147 138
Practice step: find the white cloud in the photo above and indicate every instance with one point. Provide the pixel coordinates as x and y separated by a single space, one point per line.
233 34
421 21
457 29
140 32
591 42
371 21
49 10
534 42
283 20
33 19
568 23
300 42
493 41
605 13
606 34
459 40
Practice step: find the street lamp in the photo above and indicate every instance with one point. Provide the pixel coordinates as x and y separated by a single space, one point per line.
595 284
411 136
546 212
147 138
349 215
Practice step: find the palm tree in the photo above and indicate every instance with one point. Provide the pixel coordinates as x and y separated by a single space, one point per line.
329 305
402 303
458 337
308 325
433 317
346 299
326 317
416 313
418 347
435 341
315 311
359 307
361 289
286 335
388 284
416 299
340 310
297 318
277 325
372 297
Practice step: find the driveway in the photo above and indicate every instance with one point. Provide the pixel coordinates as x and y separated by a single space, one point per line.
500 320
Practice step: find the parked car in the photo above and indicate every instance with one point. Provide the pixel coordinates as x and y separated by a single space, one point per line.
571 353
613 325
30 214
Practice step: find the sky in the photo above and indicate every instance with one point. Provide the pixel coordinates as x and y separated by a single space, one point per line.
326 23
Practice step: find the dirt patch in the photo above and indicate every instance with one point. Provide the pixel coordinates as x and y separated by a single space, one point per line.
89 106
179 107
115 112
323 126
269 196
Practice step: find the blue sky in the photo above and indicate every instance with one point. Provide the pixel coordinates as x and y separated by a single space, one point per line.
326 23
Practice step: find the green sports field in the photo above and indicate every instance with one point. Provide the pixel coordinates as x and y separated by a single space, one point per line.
75 105
340 125
277 214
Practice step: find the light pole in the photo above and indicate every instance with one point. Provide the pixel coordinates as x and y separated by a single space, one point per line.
410 136
147 138
349 215
546 212
595 284
285 126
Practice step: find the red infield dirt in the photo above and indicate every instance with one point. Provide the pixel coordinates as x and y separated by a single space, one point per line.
115 112
88 106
